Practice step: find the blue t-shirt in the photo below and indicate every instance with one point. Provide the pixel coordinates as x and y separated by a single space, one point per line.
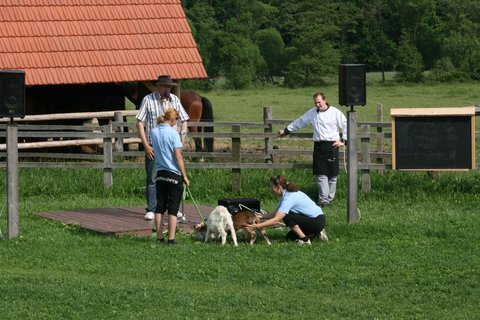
298 203
165 139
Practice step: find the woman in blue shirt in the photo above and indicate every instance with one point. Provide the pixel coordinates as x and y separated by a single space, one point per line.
296 209
170 170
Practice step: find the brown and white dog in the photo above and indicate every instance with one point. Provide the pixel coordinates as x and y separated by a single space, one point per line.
244 217
220 221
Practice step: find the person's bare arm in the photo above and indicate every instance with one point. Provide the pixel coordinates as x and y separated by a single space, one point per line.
143 137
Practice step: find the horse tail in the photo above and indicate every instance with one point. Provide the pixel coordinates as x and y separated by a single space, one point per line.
207 116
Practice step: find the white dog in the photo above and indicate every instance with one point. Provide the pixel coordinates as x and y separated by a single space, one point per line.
219 222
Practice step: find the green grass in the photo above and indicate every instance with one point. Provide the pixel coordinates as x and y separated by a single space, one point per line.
247 105
412 255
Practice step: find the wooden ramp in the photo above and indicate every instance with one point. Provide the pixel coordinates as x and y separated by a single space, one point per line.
123 221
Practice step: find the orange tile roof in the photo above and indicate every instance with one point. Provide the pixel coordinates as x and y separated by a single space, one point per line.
92 41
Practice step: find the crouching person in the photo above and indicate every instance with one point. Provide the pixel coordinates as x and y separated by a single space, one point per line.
297 210
170 170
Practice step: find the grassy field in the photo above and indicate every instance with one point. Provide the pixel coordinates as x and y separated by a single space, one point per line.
291 103
412 255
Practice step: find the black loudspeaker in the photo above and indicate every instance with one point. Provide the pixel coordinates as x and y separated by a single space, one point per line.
351 85
12 93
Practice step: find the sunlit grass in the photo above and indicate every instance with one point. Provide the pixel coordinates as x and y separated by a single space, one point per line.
412 255
247 105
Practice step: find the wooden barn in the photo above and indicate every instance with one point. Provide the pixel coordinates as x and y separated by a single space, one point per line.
89 55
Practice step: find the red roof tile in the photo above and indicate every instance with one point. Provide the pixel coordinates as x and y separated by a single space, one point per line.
90 41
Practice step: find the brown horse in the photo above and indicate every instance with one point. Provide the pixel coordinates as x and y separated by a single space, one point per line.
199 109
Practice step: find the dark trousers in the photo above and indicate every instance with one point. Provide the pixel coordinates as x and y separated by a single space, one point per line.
309 226
169 192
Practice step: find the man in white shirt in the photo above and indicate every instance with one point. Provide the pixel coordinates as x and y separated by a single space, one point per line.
329 126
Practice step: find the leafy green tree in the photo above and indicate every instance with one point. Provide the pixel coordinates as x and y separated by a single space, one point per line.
312 54
461 42
218 24
240 59
471 65
461 16
205 30
284 19
377 49
463 52
305 40
349 38
409 61
272 49
307 69
424 27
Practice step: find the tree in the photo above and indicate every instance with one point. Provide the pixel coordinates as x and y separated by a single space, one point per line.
461 43
377 49
305 40
307 69
239 59
205 30
312 54
444 70
409 61
272 49
424 27
463 51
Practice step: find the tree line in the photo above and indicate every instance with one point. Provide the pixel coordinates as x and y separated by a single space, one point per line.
302 42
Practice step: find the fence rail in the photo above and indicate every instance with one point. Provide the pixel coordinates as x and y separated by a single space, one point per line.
238 145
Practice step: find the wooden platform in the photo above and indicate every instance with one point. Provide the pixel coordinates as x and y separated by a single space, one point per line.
123 221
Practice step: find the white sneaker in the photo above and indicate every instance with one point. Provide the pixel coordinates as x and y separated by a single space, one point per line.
301 242
181 216
323 235
149 215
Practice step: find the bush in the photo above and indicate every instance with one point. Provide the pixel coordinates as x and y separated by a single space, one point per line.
409 59
444 70
241 59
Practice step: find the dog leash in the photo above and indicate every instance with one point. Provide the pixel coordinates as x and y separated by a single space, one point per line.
240 206
195 203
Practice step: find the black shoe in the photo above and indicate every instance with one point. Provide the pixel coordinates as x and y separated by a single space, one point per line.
324 203
171 243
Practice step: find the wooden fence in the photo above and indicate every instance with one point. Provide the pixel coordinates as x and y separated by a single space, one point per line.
238 145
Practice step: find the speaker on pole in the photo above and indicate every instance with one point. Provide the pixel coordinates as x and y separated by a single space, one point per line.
12 93
352 85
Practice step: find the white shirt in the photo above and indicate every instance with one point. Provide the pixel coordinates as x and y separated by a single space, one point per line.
152 106
327 125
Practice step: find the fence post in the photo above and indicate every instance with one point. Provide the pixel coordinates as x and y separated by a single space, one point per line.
118 117
236 158
107 156
12 180
267 115
365 147
380 140
352 174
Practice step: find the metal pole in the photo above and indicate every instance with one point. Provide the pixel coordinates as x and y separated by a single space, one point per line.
352 181
12 179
